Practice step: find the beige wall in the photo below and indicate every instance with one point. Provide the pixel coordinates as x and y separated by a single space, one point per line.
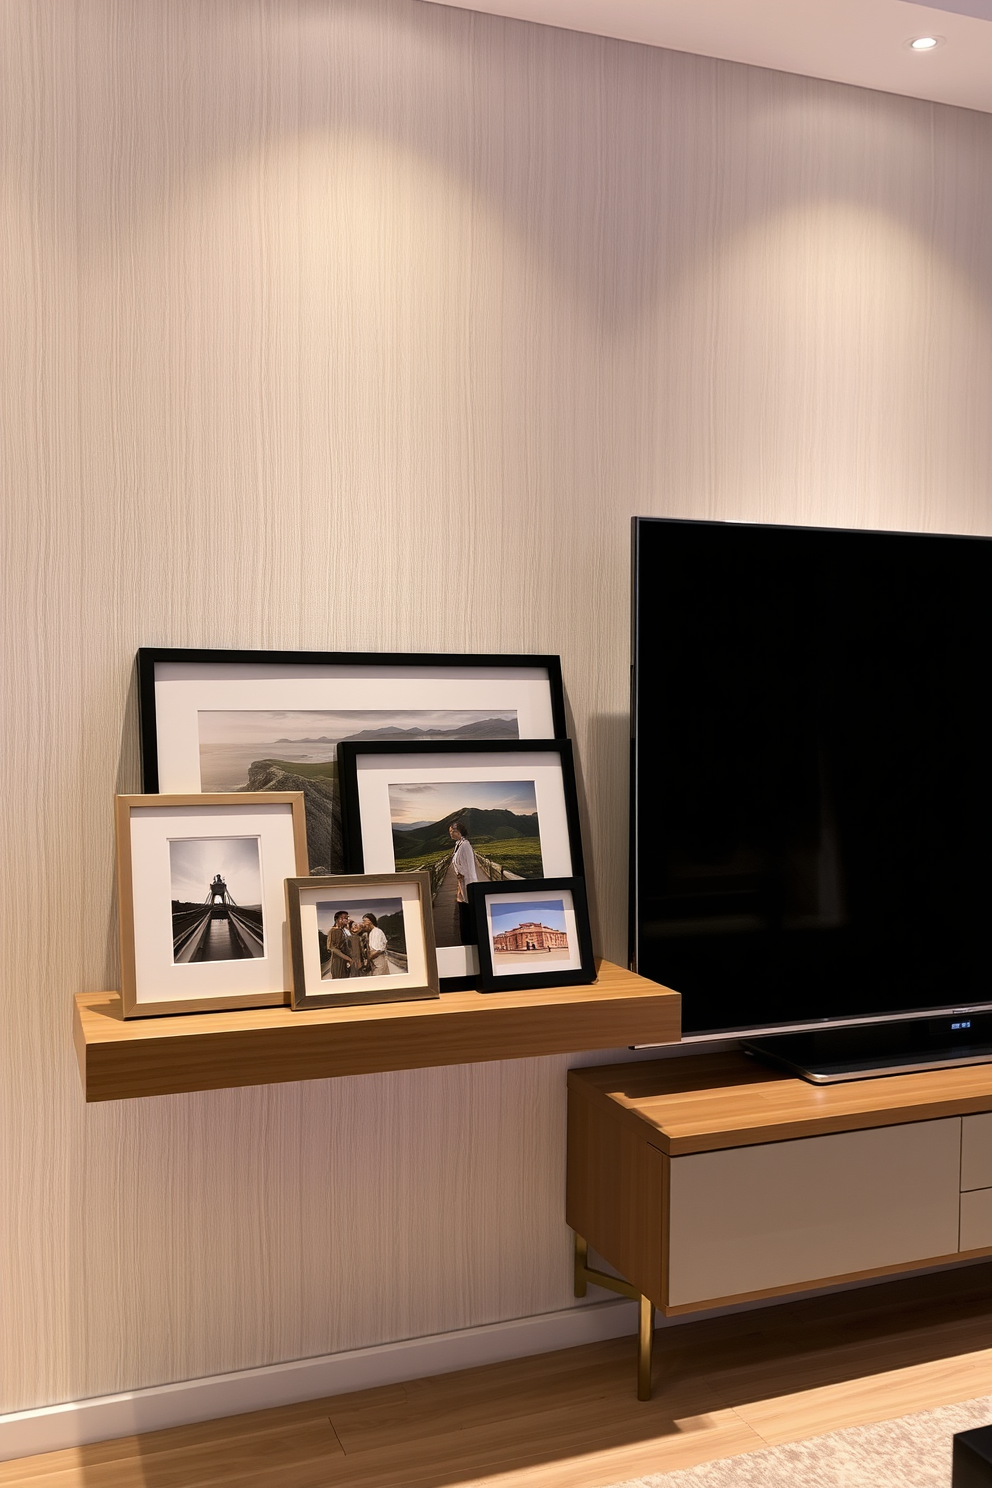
309 308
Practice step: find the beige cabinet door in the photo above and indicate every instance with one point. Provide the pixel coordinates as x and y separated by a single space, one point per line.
783 1214
976 1152
976 1219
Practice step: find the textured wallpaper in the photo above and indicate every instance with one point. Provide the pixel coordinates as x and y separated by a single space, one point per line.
368 324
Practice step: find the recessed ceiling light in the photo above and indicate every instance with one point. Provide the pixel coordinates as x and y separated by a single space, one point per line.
924 43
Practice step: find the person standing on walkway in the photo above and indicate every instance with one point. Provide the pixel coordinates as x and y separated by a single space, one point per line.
466 871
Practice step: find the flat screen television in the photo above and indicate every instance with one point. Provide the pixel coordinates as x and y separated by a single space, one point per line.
811 833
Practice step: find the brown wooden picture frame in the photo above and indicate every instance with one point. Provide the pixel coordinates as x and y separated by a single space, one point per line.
311 989
144 955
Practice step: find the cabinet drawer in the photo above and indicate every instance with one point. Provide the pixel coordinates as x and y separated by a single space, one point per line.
783 1214
976 1219
976 1152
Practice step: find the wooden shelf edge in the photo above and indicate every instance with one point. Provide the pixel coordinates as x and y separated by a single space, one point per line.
124 1060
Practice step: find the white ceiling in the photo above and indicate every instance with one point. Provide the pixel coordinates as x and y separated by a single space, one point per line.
849 41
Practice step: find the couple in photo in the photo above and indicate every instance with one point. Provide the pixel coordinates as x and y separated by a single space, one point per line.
357 948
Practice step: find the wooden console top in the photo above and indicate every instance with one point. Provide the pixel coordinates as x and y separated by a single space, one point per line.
701 1103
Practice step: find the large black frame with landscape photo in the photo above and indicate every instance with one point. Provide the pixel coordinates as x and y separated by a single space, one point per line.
461 830
239 721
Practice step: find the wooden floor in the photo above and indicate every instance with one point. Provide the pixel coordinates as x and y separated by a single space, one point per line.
571 1419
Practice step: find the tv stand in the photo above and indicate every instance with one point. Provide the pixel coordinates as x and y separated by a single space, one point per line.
868 1050
711 1180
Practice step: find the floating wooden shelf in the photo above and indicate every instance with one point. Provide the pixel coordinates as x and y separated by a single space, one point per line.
121 1060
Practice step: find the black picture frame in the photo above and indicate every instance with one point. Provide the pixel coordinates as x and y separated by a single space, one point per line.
350 755
492 979
149 657
258 682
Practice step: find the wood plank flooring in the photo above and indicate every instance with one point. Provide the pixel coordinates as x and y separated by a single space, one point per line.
571 1420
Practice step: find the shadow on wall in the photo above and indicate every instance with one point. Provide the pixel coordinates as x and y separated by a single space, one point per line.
128 783
604 761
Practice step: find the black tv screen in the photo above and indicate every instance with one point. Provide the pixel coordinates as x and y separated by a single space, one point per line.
811 833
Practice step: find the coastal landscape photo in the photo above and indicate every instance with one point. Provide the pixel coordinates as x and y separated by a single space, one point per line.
296 750
489 828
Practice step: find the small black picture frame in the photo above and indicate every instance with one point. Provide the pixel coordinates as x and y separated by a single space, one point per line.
525 931
524 829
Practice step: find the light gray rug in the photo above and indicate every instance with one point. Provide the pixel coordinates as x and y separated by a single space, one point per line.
911 1452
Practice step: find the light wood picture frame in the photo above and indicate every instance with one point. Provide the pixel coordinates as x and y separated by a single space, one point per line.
360 938
201 899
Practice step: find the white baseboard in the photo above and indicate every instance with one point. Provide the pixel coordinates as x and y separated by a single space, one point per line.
79 1422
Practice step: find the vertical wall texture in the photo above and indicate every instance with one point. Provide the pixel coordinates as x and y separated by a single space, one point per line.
367 324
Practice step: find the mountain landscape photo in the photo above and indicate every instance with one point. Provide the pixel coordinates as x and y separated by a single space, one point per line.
484 829
233 739
499 818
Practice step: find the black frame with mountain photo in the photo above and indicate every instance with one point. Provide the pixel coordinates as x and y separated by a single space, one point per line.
505 842
253 749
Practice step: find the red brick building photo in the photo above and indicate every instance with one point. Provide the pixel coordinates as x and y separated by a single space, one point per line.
530 936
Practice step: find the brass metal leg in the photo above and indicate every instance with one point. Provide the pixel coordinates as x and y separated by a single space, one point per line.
584 1273
645 1347
581 1261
